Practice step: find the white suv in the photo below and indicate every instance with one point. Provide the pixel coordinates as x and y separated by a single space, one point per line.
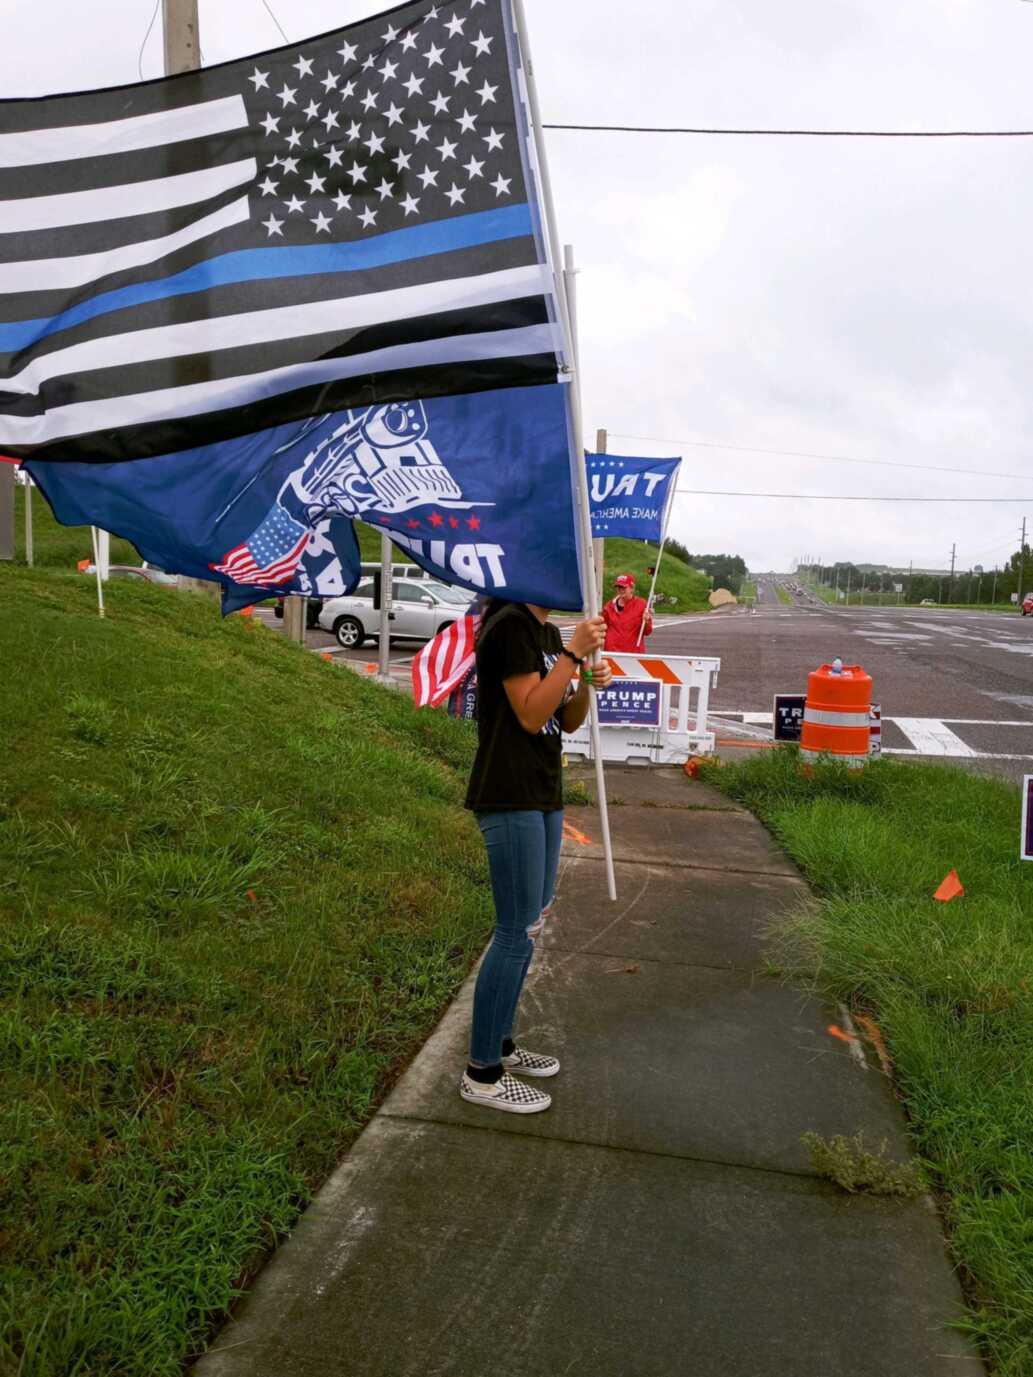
420 608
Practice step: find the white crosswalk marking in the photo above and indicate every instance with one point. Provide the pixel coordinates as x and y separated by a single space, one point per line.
930 736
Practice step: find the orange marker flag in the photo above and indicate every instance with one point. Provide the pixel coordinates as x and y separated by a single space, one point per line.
950 888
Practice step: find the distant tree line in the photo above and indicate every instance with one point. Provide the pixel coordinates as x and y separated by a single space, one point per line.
976 585
727 571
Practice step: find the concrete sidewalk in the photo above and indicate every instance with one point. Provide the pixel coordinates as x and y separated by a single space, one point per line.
662 1218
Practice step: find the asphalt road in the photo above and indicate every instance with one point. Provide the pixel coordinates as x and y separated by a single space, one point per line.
364 660
952 685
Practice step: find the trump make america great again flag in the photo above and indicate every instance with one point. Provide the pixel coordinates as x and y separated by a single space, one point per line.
241 307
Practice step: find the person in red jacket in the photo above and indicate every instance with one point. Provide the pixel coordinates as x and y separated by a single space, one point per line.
623 617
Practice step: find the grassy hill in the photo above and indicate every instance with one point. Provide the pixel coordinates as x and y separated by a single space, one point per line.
237 888
675 578
55 546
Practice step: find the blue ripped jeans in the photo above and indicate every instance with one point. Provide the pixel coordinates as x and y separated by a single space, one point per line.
523 857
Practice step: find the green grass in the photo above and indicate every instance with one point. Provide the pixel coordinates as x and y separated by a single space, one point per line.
55 546
675 579
237 888
783 595
950 985
748 591
1009 607
820 590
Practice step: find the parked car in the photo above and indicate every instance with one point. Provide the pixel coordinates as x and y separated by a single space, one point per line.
315 605
420 608
140 572
1027 605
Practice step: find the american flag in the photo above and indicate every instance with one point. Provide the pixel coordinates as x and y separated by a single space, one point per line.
444 662
346 221
270 555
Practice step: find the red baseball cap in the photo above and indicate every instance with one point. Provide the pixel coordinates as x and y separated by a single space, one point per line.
625 581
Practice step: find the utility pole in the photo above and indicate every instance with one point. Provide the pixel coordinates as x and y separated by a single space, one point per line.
1022 559
950 583
597 545
848 573
183 54
979 588
993 595
182 42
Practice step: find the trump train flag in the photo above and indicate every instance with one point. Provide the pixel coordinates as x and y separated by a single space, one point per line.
629 496
475 488
238 308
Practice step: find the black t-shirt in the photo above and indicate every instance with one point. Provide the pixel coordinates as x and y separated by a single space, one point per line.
514 768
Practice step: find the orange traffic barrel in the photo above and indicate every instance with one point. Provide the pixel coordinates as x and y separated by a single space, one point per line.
836 714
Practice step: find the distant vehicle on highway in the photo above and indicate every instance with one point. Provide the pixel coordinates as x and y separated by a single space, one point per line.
927 602
420 608
1027 605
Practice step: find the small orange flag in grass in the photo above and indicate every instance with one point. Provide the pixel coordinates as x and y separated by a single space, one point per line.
950 888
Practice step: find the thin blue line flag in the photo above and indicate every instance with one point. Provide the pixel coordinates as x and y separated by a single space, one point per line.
239 306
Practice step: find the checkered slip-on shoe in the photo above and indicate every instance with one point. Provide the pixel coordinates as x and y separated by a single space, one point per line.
507 1093
530 1063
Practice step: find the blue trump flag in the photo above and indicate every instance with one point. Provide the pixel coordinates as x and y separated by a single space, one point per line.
629 496
476 488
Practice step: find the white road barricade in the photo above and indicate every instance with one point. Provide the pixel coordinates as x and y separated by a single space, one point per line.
655 712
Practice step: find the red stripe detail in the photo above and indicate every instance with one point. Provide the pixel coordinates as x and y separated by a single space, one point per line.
659 669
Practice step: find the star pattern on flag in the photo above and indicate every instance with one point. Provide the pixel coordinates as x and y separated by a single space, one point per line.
396 126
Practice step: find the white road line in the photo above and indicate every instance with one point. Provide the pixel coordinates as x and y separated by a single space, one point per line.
748 716
984 722
976 755
930 736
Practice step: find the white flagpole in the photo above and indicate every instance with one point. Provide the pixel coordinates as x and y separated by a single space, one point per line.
580 471
96 566
660 553
570 292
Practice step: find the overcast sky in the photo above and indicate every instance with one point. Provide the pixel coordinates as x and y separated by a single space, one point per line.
859 298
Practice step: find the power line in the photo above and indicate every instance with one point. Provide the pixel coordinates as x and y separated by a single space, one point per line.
810 454
838 497
802 133
273 17
150 26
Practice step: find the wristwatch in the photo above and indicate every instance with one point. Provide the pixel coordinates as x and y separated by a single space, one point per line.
571 656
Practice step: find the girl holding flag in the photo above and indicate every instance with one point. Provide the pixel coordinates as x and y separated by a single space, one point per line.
526 698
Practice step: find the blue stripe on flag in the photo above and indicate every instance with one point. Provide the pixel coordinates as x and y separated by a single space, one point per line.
249 265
